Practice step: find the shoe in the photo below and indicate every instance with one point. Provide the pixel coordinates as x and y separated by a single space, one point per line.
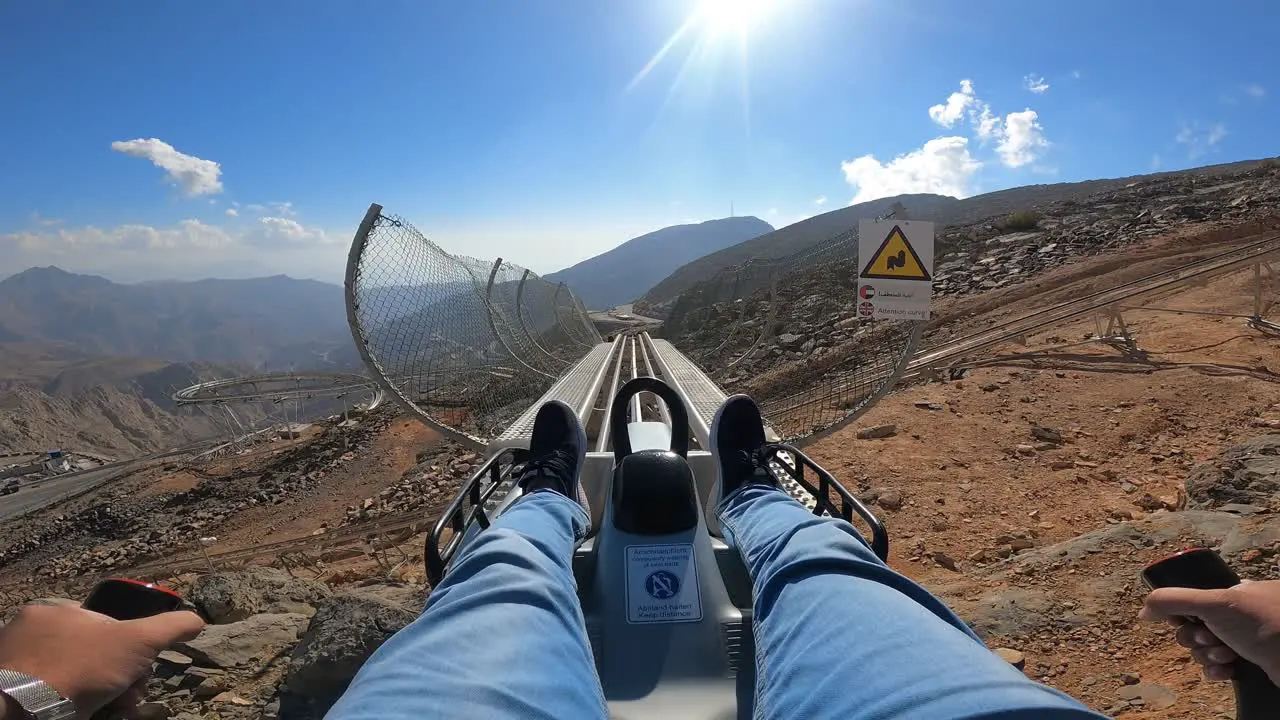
557 451
738 447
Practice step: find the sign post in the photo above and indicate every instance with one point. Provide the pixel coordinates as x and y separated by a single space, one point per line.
895 277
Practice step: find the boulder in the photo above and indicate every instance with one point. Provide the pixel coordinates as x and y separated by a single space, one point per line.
877 431
240 643
1011 656
1246 474
1153 696
889 499
790 340
345 631
234 596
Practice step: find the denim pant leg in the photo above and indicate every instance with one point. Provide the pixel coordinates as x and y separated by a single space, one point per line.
501 637
840 635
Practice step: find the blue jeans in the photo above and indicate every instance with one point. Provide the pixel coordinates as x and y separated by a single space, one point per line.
838 634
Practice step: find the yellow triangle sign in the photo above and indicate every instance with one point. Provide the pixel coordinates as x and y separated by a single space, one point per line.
895 260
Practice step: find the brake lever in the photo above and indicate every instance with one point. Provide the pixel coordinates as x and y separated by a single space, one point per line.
1257 698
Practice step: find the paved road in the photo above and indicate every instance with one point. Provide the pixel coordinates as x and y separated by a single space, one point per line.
37 495
40 494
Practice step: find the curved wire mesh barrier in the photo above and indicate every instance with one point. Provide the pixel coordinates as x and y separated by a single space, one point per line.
464 344
787 332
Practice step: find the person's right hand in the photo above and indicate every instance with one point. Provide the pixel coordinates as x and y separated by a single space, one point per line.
88 658
1238 622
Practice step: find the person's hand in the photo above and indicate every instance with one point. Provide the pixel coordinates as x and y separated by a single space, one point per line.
88 658
1238 622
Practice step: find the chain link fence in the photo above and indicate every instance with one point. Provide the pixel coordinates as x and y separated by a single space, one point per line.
465 344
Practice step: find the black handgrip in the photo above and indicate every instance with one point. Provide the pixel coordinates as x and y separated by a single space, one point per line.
618 416
125 599
1257 697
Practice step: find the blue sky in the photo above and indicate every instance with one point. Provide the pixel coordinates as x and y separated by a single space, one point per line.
170 139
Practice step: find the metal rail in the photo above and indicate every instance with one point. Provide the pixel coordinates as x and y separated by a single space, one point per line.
635 373
690 379
664 413
1154 284
602 442
328 385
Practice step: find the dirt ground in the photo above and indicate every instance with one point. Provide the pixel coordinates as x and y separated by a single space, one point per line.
1132 425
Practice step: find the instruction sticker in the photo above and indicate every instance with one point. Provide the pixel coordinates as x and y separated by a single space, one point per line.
662 584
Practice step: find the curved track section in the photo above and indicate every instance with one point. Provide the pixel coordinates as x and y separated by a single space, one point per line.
465 345
280 387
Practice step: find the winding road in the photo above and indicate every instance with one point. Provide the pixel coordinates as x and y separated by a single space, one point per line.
41 494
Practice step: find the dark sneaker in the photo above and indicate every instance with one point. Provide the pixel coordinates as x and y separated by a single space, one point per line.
557 450
738 447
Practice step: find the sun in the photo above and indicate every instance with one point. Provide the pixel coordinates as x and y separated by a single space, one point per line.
712 28
731 17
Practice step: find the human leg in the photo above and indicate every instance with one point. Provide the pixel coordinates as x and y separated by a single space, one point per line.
503 635
839 634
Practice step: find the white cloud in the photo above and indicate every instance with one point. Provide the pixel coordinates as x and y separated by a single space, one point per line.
195 176
188 249
950 113
38 219
820 201
1155 162
1022 140
1075 74
943 165
293 231
986 125
1216 133
1199 141
1254 90
255 208
283 209
231 212
1019 137
1035 84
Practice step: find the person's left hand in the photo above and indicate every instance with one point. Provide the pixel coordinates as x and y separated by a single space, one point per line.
91 659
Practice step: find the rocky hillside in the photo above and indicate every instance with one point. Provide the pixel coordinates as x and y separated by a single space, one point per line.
955 214
273 323
54 396
817 305
622 274
101 419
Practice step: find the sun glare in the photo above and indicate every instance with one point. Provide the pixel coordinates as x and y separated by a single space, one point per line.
714 30
731 16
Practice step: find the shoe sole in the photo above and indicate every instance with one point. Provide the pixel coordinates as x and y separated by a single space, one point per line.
582 450
717 490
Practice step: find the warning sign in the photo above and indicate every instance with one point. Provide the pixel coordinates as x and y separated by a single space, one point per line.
898 256
662 584
895 259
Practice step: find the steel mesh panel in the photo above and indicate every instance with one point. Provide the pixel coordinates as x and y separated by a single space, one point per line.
465 344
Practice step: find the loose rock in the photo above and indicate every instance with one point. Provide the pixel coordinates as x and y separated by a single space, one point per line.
1011 656
343 634
240 643
877 431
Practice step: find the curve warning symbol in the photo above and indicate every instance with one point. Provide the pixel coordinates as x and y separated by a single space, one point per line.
896 260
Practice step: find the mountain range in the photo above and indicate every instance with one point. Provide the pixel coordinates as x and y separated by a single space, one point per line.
271 323
624 273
